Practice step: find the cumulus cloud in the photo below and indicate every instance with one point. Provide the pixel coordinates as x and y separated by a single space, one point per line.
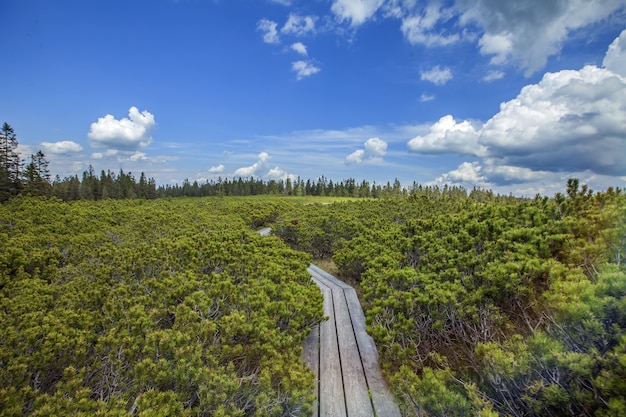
373 149
448 136
570 122
490 174
355 11
426 97
299 47
128 133
277 173
615 58
270 31
437 75
299 25
217 169
304 69
254 168
62 147
466 173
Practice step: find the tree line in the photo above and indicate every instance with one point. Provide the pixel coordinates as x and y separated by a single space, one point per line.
18 176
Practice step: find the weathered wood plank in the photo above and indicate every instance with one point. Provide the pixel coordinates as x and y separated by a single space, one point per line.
331 394
320 272
382 399
355 385
311 356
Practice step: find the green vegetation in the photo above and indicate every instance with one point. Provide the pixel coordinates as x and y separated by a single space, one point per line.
479 304
165 307
486 305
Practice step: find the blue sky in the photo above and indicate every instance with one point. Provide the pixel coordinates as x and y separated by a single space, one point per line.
512 96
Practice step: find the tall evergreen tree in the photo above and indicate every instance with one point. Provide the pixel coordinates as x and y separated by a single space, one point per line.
37 175
10 163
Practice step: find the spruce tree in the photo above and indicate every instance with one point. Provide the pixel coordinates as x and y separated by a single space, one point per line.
10 163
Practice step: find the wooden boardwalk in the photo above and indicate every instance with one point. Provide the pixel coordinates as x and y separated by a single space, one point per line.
344 357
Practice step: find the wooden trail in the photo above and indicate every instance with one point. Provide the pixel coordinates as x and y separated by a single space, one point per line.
343 356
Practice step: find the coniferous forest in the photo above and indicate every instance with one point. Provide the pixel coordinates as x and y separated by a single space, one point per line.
115 302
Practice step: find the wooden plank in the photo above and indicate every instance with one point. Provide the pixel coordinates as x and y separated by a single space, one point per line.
313 269
358 401
355 385
311 356
331 394
382 399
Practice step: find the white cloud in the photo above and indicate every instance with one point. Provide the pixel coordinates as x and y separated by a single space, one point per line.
355 157
375 147
523 33
373 150
437 75
299 47
448 136
570 120
283 2
304 69
254 168
527 32
270 31
571 123
427 97
277 173
217 169
493 76
138 156
467 173
108 153
356 11
499 45
615 58
299 25
62 147
127 133
491 173
424 27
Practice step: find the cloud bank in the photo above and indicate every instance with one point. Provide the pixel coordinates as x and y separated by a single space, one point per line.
571 121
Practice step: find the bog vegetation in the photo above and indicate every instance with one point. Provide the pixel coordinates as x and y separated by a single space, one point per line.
479 304
486 305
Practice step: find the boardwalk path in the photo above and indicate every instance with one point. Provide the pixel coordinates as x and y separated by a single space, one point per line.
344 357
